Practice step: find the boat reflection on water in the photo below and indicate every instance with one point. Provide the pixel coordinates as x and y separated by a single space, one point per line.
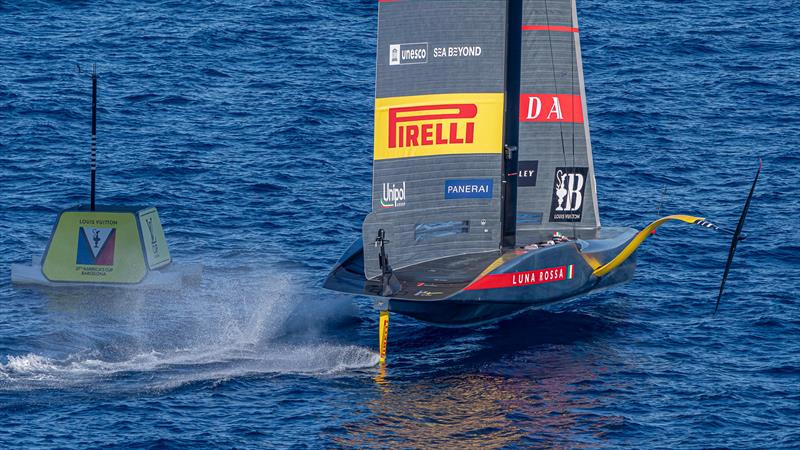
546 395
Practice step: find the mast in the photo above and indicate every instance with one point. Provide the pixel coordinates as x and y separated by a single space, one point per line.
511 138
94 132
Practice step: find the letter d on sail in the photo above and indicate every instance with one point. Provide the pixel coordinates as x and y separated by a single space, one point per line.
534 108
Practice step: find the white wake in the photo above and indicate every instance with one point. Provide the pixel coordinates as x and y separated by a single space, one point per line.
226 329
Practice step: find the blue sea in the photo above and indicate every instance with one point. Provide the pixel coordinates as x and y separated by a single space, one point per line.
248 124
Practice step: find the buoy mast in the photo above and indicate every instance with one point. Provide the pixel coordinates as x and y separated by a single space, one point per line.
94 132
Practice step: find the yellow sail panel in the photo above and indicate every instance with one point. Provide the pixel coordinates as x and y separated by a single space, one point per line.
441 124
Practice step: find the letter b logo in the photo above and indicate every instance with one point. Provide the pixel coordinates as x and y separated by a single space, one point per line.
569 185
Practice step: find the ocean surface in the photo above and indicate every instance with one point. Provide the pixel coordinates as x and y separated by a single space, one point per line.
248 124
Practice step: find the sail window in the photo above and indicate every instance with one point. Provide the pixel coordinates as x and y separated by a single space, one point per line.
529 218
426 231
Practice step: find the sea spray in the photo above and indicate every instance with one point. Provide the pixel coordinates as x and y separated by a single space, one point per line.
233 326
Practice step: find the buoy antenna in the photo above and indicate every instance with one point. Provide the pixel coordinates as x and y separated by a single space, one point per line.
94 133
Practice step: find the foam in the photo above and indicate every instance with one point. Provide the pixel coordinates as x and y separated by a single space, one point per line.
225 330
199 364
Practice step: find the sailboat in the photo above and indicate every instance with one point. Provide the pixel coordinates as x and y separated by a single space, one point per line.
484 199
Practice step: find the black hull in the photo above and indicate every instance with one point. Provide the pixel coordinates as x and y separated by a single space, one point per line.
465 292
465 313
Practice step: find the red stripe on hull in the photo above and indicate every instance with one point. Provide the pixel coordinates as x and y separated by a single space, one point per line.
515 279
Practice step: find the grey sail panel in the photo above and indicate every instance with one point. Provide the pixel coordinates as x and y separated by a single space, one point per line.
439 111
443 47
556 184
422 220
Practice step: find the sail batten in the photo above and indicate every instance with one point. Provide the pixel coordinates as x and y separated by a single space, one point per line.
565 29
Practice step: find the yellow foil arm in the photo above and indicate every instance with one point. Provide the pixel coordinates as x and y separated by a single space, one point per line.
637 241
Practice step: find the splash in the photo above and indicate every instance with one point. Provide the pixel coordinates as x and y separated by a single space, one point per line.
233 327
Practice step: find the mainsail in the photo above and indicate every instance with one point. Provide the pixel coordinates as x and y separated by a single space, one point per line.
438 149
460 85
